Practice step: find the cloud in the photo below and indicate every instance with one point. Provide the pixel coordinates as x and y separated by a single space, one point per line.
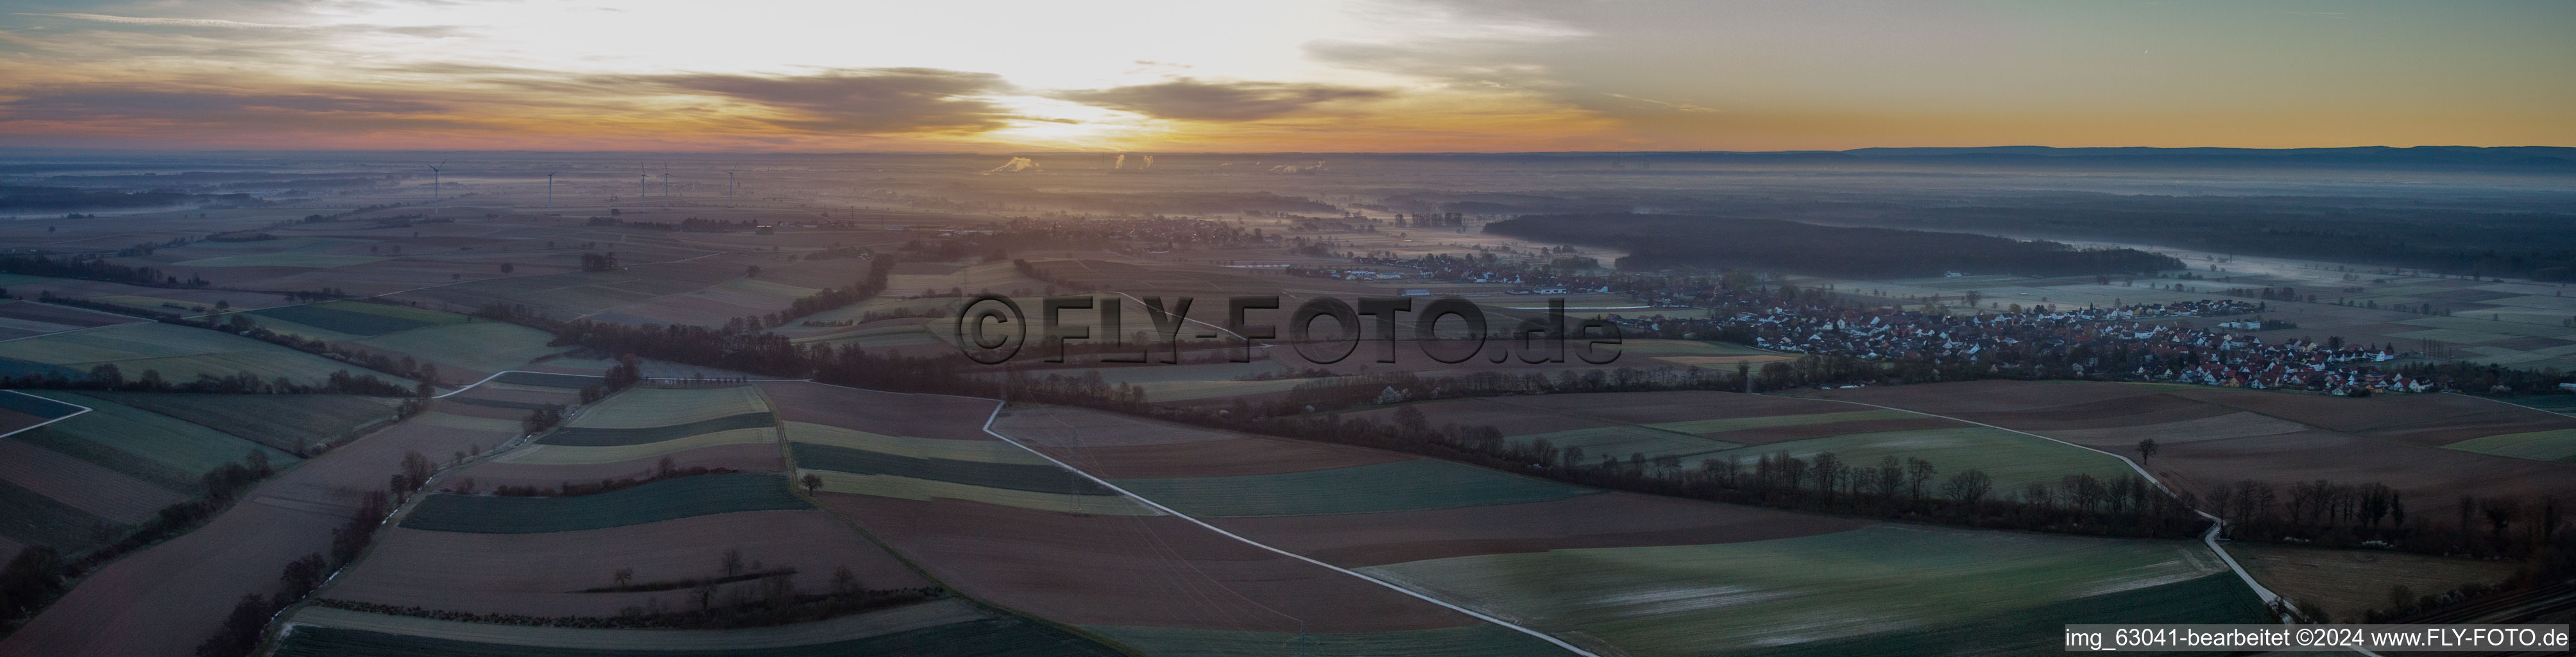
1187 98
180 22
880 100
1678 107
100 103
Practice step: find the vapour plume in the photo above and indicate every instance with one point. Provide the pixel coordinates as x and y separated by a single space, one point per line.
1149 161
1291 168
1016 164
1122 162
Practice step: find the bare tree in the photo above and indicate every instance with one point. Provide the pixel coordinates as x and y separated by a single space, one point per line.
2146 449
622 576
812 482
1969 486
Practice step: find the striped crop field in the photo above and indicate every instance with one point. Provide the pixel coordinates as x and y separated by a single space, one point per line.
1882 589
356 318
286 422
934 628
544 454
1399 486
989 471
926 490
178 353
156 448
987 451
647 408
1041 478
597 436
653 502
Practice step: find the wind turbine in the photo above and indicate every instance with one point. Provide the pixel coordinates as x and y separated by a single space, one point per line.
433 187
729 188
550 193
642 189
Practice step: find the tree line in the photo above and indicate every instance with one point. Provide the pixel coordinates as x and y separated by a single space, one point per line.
92 267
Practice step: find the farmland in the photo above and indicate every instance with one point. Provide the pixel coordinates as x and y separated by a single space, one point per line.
1911 582
1697 425
79 482
2348 582
179 353
1647 575
151 447
170 597
2418 444
941 628
21 319
647 423
1228 511
289 424
454 341
1414 485
668 499
555 573
1153 582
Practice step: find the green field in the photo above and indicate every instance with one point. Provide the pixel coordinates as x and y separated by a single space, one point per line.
349 317
36 406
155 448
2010 459
911 488
2554 445
542 454
286 422
654 502
938 627
479 346
1413 485
1042 478
987 451
1478 640
646 408
2552 403
286 252
179 353
1897 584
581 292
607 437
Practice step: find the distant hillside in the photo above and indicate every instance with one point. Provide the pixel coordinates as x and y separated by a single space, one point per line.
1660 241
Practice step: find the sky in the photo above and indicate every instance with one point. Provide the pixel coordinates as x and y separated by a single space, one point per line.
1310 75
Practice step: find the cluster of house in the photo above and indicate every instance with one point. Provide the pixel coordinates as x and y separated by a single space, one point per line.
2086 340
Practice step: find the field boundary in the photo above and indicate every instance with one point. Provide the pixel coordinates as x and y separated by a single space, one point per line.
2507 403
997 413
74 414
2209 538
